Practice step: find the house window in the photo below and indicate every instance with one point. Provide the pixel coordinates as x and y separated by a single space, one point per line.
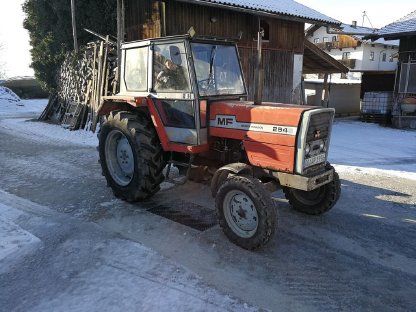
334 38
346 55
316 40
391 58
265 27
325 39
384 57
372 56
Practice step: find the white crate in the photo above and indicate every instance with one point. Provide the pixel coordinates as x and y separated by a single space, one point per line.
377 103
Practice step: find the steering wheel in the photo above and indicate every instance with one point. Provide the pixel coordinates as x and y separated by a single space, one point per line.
206 84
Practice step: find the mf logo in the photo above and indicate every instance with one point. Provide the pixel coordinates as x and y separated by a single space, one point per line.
225 120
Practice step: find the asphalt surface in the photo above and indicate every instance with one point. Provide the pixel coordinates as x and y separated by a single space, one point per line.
361 256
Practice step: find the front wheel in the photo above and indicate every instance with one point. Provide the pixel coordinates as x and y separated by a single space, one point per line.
246 212
318 201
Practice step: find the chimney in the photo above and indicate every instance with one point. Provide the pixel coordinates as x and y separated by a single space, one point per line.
354 24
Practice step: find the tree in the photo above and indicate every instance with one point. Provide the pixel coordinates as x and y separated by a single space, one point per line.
50 29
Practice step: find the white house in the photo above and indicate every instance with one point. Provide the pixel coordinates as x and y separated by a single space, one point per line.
349 47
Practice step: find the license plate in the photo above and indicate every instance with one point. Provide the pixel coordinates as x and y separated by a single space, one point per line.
314 160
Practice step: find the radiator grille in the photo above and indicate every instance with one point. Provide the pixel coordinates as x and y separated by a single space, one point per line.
319 126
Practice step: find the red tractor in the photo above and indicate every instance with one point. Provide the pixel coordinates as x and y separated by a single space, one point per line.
182 102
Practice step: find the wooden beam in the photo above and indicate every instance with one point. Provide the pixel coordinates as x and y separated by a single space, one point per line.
74 26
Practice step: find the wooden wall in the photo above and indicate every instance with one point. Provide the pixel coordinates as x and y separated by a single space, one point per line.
407 47
144 20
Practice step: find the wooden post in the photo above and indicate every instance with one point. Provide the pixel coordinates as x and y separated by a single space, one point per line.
163 18
74 26
325 92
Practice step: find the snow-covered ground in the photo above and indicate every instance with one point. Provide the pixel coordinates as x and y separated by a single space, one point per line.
135 273
373 149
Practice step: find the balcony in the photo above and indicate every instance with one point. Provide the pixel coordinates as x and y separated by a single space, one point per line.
328 46
350 63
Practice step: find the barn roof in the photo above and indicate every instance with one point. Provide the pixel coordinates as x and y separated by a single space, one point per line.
316 61
404 26
283 8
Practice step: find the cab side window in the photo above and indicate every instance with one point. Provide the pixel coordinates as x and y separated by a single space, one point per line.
135 70
170 68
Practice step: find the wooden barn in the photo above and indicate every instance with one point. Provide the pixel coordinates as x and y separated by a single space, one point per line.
283 23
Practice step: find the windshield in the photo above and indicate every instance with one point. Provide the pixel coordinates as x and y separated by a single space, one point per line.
217 69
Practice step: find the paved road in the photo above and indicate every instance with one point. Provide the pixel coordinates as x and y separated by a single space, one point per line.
361 256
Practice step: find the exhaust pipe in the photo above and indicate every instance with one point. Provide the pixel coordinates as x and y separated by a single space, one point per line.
258 83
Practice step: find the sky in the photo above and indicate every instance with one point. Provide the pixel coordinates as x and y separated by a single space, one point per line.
380 12
14 40
15 55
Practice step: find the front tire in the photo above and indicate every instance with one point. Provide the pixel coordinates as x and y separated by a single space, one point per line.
246 212
318 201
131 156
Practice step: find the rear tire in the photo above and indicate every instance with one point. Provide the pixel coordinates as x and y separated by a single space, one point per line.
318 201
131 156
246 212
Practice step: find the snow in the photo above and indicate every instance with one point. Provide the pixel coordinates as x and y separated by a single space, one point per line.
39 131
8 96
130 276
100 273
15 242
372 149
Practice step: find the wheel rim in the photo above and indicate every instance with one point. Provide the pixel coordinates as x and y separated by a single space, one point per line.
240 213
310 198
119 157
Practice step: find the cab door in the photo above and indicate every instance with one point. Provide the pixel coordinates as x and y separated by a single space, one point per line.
172 93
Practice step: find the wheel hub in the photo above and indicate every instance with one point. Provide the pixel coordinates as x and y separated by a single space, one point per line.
240 213
119 157
125 156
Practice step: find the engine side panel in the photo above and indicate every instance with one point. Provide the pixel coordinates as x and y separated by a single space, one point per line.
270 156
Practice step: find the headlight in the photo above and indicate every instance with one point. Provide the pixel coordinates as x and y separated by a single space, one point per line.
322 146
307 149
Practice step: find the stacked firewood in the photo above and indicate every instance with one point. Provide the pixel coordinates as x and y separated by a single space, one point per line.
82 80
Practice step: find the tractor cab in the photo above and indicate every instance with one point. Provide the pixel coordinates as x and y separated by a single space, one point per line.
180 76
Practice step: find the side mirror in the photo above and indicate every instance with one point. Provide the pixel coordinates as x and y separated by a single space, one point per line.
175 55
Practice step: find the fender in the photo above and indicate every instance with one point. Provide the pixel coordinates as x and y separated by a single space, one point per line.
222 173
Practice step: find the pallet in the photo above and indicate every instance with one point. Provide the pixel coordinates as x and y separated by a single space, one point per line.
376 118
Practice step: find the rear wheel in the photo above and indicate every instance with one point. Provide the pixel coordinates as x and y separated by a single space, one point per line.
318 201
130 155
246 212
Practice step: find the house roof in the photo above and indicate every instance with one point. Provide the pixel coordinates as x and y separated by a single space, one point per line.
359 30
283 8
316 61
359 33
404 26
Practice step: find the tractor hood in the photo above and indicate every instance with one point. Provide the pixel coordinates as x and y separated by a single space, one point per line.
266 113
243 120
